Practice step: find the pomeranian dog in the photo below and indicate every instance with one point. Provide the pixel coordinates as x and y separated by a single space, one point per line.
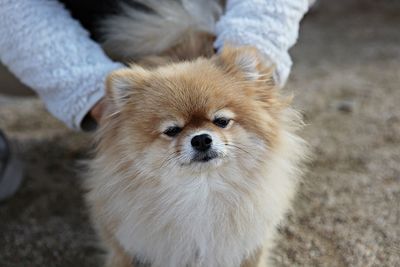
197 158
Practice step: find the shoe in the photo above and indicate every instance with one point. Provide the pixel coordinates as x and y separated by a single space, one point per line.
11 174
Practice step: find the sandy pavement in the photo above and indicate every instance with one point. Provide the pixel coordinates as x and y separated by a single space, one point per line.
346 81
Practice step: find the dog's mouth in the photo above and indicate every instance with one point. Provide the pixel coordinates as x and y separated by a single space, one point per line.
205 156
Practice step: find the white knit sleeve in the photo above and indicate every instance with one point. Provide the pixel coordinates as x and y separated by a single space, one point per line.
51 53
270 25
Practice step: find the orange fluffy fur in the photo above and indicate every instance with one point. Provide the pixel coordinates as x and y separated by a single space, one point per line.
147 199
150 199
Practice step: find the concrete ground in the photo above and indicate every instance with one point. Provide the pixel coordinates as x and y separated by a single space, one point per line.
346 80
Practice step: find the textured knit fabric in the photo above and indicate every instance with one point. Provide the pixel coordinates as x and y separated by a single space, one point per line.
270 25
51 52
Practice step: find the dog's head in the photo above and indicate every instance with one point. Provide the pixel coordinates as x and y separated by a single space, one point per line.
194 116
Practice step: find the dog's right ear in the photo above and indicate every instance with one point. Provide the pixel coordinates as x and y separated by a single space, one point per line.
248 63
122 84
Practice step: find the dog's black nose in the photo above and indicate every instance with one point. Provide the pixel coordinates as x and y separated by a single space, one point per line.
201 142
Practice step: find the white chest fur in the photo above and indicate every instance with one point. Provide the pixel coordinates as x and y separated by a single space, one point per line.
203 221
215 219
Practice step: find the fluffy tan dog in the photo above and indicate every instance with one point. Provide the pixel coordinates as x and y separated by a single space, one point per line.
197 161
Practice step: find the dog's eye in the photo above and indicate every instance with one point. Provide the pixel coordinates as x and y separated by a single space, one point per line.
221 122
172 131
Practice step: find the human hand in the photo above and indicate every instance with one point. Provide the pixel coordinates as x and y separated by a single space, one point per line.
97 110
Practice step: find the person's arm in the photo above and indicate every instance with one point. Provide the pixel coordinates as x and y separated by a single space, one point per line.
270 25
51 53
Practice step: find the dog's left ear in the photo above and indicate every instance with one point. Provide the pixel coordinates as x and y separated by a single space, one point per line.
247 63
123 84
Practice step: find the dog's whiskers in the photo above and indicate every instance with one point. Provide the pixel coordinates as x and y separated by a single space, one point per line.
237 146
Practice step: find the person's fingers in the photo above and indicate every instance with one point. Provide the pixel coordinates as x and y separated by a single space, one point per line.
97 111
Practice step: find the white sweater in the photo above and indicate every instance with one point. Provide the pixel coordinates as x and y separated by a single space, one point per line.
51 53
